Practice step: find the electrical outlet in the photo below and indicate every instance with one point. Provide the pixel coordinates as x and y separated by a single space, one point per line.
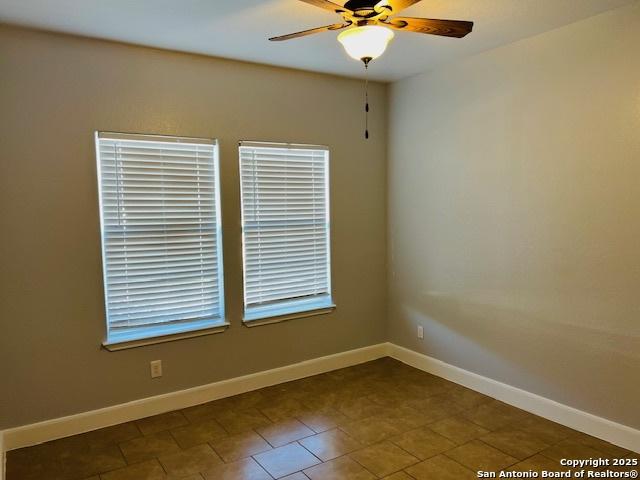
156 368
420 331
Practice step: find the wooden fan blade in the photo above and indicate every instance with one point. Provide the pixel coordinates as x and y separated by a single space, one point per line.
335 26
446 28
396 5
327 5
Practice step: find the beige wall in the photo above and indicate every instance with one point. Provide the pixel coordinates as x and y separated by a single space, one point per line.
514 208
514 214
55 91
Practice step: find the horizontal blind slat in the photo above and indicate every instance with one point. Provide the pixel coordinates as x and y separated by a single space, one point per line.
176 285
287 292
150 320
161 305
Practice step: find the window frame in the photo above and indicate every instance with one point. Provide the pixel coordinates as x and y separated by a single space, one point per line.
195 328
313 308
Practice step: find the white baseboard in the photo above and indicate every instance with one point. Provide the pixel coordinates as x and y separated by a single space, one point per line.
612 432
36 433
84 422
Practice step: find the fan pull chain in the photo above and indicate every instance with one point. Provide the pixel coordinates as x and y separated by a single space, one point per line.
366 100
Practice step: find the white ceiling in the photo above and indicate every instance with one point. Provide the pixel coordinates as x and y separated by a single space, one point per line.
239 28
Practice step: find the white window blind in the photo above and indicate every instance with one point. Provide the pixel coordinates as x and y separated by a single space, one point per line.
161 235
285 226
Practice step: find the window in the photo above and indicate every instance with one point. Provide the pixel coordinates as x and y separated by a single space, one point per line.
161 235
285 229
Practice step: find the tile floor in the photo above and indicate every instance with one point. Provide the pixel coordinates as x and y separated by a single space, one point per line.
377 420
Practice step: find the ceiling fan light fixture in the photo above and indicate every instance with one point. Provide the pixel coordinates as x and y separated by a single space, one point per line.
366 43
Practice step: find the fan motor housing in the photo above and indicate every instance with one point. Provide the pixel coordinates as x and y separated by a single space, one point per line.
364 8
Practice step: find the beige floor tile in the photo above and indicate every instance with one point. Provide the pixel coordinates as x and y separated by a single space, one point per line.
383 459
92 461
160 423
242 421
198 433
244 401
111 435
477 455
494 415
346 374
55 451
286 460
544 429
205 411
322 420
63 459
440 468
515 442
149 470
570 448
283 410
296 476
239 446
23 467
608 449
458 429
359 408
428 385
398 476
295 389
322 400
331 444
423 443
424 402
193 460
406 418
246 469
538 463
340 469
283 432
466 397
27 455
371 430
74 445
435 407
428 390
150 446
393 397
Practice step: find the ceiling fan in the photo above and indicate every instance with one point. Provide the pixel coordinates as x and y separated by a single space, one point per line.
369 28
369 25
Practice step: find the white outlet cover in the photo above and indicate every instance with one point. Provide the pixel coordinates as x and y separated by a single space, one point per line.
420 331
156 368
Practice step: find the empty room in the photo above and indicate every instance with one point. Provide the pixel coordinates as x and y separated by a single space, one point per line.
319 239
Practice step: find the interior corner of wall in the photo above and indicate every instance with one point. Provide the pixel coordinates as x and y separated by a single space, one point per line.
3 456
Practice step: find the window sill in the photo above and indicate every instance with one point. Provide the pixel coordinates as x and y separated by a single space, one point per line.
115 347
258 322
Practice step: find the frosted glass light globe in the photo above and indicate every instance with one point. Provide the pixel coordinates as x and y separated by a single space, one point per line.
368 42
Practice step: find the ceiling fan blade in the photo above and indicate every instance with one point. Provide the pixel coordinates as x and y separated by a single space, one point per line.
335 26
396 5
327 5
446 28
